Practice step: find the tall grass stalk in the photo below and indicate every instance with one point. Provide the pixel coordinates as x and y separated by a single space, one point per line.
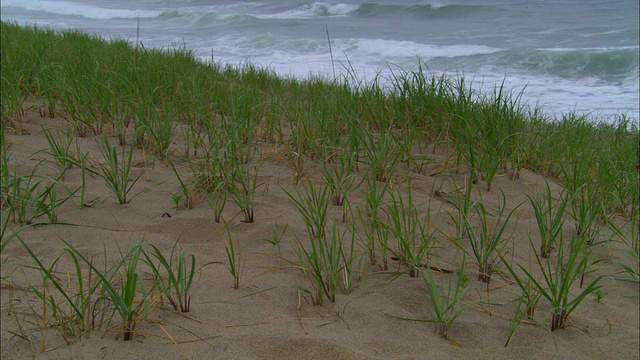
6 179
313 206
630 265
158 126
635 225
210 177
12 100
463 204
59 146
325 263
127 292
550 218
19 193
559 279
502 131
414 241
446 297
242 189
341 180
587 211
217 199
525 309
48 201
185 199
233 258
351 266
70 306
81 161
239 128
31 196
116 172
487 239
373 220
529 295
175 275
382 152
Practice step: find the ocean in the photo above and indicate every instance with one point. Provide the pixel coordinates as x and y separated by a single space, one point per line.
566 55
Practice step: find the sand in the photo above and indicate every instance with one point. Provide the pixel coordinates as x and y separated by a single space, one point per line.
268 317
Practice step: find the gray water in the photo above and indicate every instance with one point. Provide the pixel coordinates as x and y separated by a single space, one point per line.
567 55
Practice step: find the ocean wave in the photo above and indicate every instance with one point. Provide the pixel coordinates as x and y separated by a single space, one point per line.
322 9
254 13
244 12
316 9
363 51
408 49
83 10
611 64
223 15
206 18
430 10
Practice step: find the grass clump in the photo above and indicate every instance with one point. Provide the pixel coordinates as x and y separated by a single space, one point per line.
341 180
558 280
31 197
550 216
488 238
445 297
78 294
242 189
175 275
124 286
326 259
409 229
116 171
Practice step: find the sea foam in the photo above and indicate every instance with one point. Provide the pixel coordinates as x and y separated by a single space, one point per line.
83 10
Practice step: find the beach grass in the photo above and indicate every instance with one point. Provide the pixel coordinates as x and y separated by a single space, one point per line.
488 237
413 237
221 122
97 83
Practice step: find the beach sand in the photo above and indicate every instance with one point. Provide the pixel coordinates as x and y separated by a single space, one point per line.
268 317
